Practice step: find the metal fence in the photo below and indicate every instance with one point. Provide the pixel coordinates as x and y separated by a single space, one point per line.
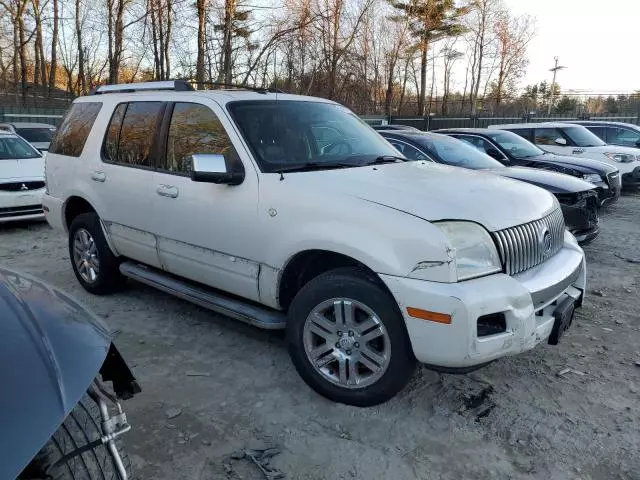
435 122
51 116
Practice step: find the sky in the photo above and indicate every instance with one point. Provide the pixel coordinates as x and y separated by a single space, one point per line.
596 40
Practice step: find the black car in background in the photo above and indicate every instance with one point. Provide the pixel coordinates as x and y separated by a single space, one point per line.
511 149
577 198
613 133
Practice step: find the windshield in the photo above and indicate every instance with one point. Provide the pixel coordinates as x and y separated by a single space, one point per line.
36 134
517 146
458 153
12 148
582 137
287 134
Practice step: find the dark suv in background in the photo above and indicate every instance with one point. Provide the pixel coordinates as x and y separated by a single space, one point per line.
511 149
613 133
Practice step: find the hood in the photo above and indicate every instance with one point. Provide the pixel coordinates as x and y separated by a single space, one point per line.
435 192
51 349
22 169
550 181
579 164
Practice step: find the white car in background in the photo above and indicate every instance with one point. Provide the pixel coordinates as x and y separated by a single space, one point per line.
21 179
37 134
577 141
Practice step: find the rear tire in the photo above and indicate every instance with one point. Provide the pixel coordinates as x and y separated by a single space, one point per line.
93 262
80 427
363 361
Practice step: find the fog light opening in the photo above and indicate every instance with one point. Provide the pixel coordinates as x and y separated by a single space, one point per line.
491 324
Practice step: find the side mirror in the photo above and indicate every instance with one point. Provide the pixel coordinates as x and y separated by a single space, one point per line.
492 152
214 168
561 141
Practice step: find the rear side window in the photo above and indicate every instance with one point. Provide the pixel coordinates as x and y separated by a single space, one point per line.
131 133
194 128
73 132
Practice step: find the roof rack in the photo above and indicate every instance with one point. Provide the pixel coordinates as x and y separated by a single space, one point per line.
174 85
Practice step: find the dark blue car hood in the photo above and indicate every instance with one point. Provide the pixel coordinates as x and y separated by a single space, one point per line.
550 181
51 349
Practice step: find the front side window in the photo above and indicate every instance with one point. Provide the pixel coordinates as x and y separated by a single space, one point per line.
70 138
582 137
194 128
547 136
408 151
12 148
517 146
458 153
623 136
282 135
130 138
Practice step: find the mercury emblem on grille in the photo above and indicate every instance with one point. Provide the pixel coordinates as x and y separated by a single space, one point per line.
544 237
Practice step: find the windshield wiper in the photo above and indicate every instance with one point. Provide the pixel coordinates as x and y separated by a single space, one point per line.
307 167
385 159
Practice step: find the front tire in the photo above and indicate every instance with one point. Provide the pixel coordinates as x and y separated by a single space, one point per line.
93 262
81 426
348 340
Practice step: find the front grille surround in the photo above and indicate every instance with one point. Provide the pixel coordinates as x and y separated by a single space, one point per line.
523 247
18 186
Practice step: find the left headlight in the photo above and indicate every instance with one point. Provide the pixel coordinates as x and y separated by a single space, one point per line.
592 177
476 254
621 157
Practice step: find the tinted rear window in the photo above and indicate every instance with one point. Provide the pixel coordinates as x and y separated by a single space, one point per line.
74 130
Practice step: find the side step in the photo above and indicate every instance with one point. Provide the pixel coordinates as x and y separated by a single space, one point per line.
247 312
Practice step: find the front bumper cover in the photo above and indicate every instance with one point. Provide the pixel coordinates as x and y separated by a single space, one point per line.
527 301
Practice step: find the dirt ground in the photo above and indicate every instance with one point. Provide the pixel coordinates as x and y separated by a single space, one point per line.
212 385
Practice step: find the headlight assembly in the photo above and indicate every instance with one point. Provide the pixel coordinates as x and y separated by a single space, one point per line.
592 177
475 253
620 157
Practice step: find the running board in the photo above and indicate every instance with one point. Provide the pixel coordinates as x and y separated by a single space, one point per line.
252 314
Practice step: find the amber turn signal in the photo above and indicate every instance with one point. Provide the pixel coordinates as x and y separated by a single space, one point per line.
427 315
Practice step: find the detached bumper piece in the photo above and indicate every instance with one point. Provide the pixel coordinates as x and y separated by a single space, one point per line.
580 211
631 179
610 193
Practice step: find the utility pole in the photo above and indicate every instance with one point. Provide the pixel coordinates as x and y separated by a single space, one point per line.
553 83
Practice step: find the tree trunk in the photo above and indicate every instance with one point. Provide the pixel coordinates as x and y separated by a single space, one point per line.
202 41
423 76
54 49
227 44
81 76
154 36
22 51
167 62
16 54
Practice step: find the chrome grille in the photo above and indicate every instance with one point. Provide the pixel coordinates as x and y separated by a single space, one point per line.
524 246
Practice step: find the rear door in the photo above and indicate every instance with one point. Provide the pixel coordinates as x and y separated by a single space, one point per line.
124 179
622 136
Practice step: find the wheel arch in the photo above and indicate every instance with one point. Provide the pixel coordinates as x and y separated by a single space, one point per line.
306 265
74 206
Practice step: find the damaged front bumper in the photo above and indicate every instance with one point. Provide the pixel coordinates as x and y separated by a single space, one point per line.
580 211
492 316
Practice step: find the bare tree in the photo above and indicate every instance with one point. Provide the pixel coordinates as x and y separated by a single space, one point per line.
53 66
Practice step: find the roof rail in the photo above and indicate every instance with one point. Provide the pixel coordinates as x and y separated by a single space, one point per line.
175 85
239 86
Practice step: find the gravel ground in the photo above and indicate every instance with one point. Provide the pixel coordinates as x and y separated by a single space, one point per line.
212 386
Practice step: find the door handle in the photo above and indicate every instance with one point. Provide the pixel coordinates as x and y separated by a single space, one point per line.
98 176
167 191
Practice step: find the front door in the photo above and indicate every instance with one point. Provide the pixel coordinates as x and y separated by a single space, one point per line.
124 179
205 232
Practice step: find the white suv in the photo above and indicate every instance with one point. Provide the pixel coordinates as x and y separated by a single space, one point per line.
290 212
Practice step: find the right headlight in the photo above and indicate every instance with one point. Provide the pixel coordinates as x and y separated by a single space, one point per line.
621 157
592 177
475 252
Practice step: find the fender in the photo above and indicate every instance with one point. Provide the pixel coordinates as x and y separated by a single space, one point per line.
51 349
